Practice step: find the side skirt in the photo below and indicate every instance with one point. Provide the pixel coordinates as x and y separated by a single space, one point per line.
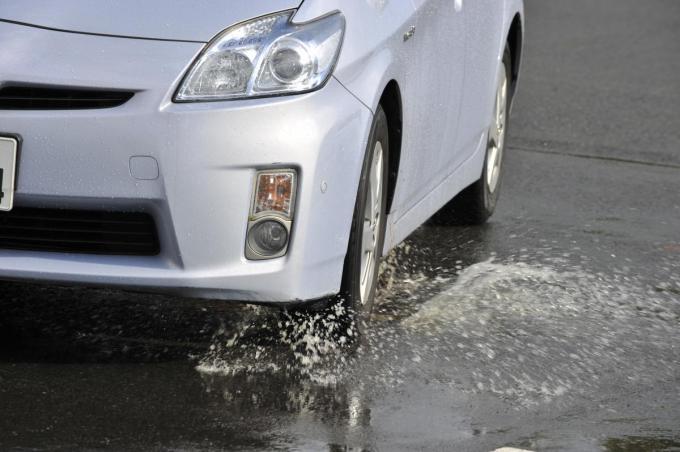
466 174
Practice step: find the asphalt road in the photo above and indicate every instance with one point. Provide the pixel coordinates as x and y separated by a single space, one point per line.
554 327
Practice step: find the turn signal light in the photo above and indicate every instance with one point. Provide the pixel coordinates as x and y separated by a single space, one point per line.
274 193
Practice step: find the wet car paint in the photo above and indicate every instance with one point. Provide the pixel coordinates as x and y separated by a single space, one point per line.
553 327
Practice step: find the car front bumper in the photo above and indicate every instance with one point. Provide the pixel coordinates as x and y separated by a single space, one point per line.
207 156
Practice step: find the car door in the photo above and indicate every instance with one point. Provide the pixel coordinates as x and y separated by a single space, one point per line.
484 29
432 94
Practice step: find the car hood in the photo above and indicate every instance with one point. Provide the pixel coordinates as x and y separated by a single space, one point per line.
177 20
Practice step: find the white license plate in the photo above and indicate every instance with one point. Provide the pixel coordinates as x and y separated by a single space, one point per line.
8 165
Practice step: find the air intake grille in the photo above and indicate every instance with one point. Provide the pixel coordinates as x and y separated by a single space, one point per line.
75 231
58 98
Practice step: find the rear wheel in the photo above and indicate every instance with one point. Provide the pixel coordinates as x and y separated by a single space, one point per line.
367 236
476 203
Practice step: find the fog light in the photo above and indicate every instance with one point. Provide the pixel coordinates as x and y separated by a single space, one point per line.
271 214
268 238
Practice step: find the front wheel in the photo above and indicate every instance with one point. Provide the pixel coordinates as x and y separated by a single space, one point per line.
367 236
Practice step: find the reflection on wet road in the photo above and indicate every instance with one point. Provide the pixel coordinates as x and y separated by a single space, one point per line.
469 349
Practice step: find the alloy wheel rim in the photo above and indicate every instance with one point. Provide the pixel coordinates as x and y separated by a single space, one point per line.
371 224
496 145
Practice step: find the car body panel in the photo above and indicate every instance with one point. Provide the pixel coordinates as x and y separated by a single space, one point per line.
432 88
365 70
464 40
195 20
208 153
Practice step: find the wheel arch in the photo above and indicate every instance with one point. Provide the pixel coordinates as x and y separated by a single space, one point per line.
390 101
514 42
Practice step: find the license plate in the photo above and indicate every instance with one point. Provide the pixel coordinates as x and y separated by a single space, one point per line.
8 165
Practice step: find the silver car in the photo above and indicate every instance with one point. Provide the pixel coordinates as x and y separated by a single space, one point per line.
265 151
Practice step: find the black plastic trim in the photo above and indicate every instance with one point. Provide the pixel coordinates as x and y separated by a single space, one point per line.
37 97
79 232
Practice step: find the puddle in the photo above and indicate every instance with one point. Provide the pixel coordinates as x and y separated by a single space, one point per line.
522 330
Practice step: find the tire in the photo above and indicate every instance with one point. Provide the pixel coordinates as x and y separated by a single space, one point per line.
360 274
475 204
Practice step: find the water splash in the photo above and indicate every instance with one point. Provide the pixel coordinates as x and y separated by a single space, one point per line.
526 329
530 332
307 344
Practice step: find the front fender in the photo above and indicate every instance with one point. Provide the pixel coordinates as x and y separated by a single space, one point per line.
373 42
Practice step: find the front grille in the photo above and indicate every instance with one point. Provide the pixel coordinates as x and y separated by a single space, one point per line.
76 231
59 98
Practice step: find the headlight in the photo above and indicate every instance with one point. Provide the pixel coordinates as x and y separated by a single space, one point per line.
264 57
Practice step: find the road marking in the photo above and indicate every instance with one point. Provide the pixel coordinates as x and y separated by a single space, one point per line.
510 449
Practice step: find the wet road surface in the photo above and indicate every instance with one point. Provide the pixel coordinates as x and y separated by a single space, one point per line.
554 327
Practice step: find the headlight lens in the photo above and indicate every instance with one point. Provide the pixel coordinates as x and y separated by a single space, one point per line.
290 62
265 56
